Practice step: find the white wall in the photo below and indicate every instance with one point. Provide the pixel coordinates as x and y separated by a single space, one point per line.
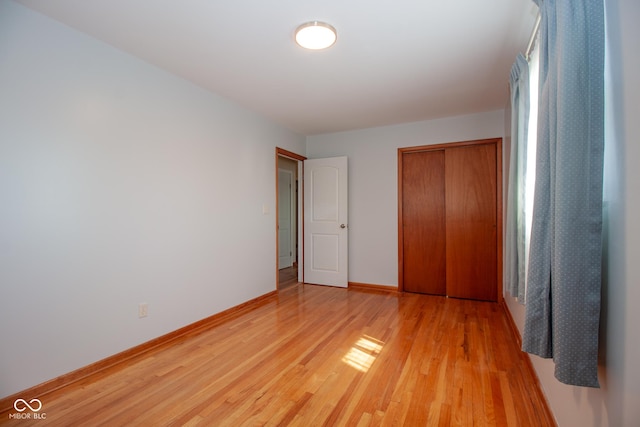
373 183
119 184
617 402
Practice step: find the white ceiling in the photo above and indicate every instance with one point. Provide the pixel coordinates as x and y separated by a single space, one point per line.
395 61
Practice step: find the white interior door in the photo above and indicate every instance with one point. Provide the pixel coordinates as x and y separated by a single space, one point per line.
325 221
285 229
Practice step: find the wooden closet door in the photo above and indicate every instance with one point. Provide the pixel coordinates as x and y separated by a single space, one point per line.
423 222
471 222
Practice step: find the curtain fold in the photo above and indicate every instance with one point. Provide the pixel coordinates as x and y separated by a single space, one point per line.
564 276
515 233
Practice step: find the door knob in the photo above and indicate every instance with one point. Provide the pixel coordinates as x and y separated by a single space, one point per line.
343 226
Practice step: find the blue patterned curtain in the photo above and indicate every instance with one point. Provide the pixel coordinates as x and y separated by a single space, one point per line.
563 288
515 234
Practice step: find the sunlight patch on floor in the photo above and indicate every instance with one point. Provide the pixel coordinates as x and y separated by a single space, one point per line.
362 355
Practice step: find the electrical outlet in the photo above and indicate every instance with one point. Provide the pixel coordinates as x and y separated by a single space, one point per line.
142 309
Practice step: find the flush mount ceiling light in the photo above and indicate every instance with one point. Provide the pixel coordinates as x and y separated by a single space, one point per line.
316 35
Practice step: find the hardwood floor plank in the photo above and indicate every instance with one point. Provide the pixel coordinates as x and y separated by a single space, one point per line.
313 355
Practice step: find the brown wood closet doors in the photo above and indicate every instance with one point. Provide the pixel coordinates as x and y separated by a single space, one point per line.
449 216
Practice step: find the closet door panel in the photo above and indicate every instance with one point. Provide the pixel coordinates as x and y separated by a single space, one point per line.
471 228
423 221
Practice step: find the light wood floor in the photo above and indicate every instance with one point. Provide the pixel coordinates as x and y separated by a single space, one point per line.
314 355
287 277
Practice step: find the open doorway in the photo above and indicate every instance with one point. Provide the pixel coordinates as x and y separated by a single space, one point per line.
288 219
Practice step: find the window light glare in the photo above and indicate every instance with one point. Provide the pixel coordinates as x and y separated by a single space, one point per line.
316 35
362 355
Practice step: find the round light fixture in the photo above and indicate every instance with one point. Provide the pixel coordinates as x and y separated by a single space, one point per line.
316 35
